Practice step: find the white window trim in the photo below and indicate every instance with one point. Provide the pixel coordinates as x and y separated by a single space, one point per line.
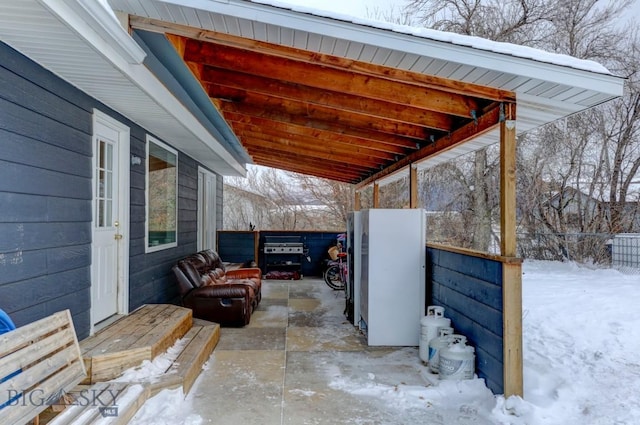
148 248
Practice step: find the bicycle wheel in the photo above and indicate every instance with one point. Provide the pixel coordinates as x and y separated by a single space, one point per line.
332 277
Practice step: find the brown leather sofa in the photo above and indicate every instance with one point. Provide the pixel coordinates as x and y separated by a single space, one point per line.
224 297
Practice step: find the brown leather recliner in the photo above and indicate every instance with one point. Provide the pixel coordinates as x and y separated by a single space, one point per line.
214 262
213 294
228 305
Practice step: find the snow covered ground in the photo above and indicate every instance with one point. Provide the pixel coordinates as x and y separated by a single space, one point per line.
581 360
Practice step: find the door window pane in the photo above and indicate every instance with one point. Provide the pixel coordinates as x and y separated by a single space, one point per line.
104 184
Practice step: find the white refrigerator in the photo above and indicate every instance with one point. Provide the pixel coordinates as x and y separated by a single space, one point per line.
392 275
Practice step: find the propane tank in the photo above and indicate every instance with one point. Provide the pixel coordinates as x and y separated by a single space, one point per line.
457 360
429 326
437 344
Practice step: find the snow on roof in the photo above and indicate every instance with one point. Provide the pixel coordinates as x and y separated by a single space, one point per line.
451 38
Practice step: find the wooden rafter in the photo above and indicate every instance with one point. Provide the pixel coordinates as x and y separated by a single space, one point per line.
453 86
329 116
326 78
319 116
488 121
344 102
319 134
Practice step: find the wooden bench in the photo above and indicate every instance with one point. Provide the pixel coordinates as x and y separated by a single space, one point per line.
39 364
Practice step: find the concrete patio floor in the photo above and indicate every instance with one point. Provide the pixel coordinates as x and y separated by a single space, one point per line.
301 362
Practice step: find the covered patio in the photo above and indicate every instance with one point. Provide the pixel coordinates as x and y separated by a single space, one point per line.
226 83
366 103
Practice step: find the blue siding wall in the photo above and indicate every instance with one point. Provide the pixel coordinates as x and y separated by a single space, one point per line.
238 247
45 200
45 194
470 290
150 277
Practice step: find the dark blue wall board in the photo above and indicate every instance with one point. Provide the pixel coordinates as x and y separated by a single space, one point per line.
45 193
46 200
470 289
150 277
237 246
317 243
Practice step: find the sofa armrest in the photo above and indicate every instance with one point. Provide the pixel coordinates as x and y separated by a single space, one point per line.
246 273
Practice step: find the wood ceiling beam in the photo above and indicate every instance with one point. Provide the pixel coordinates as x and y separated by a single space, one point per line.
278 149
293 145
312 165
486 122
302 169
313 144
341 101
301 121
317 134
328 78
319 117
453 86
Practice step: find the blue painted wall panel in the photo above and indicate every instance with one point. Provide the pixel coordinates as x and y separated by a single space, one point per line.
470 290
46 200
239 247
236 247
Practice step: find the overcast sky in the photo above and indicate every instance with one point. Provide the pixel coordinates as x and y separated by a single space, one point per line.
360 7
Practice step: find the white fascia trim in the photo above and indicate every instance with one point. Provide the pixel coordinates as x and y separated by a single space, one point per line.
84 25
100 21
143 78
391 40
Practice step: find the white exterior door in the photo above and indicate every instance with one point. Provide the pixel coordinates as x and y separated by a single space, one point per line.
110 218
206 209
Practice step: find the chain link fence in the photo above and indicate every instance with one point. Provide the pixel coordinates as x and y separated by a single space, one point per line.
603 249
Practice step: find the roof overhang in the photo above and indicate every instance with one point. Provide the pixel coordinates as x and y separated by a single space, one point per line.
356 100
82 42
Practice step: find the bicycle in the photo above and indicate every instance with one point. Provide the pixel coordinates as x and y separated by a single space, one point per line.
335 275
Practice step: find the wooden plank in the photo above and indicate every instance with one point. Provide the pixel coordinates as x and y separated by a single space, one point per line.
356 200
325 78
35 400
153 332
189 363
413 186
508 188
112 365
474 253
253 141
182 322
321 58
371 140
218 78
486 122
256 248
283 139
135 323
22 336
322 117
62 364
376 195
308 161
33 353
512 310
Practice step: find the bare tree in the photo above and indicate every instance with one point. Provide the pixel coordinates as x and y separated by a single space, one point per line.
277 200
567 165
